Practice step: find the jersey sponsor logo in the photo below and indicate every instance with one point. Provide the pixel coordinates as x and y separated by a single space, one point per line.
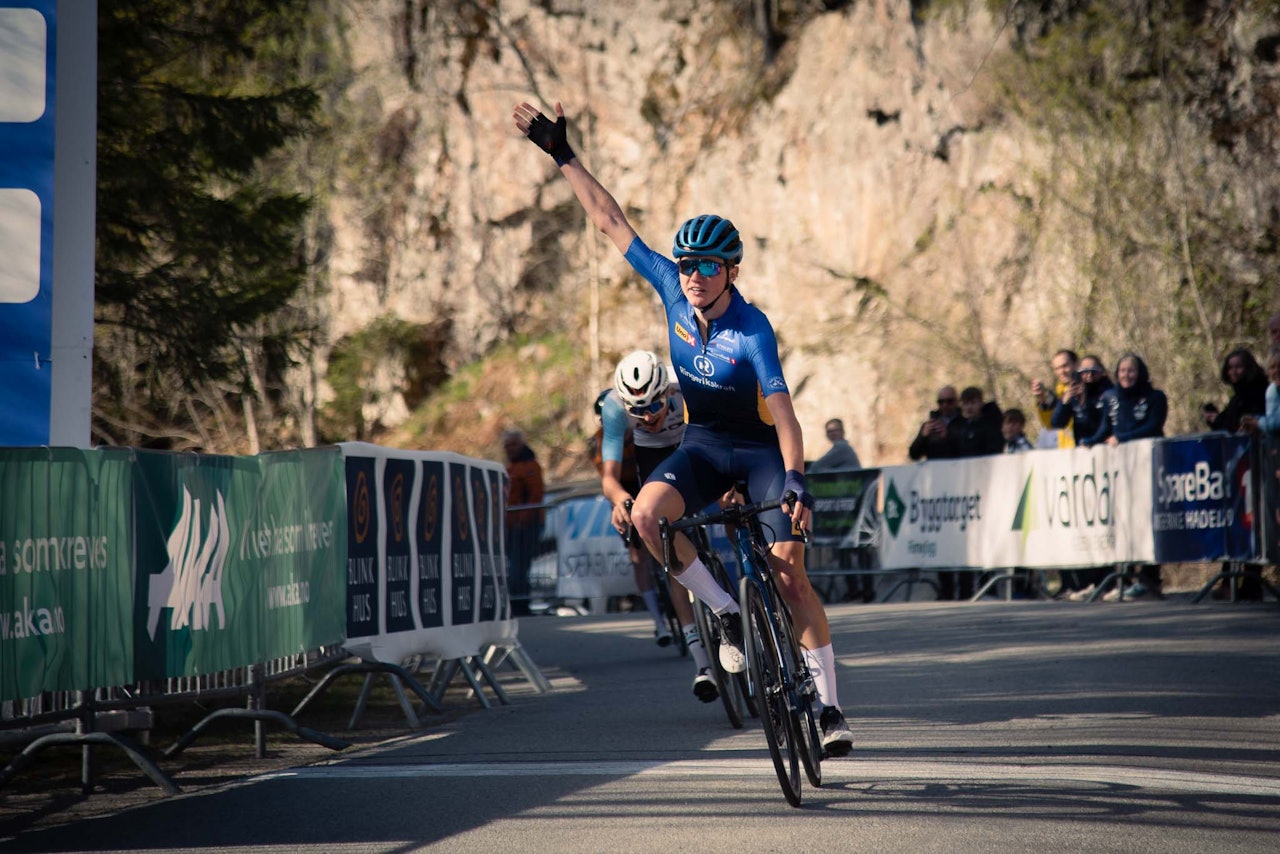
777 383
669 476
703 381
704 365
684 335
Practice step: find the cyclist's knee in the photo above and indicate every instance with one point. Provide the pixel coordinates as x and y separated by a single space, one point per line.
788 564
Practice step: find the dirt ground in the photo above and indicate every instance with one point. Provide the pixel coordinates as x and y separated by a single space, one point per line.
47 792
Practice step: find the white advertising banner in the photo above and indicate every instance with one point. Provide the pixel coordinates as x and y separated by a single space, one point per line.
426 563
593 561
1040 509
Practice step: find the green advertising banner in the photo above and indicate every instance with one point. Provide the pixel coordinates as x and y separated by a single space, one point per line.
298 539
239 559
65 575
840 504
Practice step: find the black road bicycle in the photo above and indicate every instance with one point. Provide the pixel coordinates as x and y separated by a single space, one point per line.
781 682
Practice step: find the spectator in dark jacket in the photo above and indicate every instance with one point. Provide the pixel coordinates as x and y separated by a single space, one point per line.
1013 431
976 432
1133 410
933 441
1080 406
1248 382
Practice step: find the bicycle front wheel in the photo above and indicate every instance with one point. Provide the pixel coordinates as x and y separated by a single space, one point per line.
765 659
802 695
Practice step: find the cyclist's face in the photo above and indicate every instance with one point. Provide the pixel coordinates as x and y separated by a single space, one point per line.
701 290
652 419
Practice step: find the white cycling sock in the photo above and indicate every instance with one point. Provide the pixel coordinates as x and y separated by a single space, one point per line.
699 582
650 598
693 640
822 664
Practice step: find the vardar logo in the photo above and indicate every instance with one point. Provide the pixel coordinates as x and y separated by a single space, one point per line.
192 581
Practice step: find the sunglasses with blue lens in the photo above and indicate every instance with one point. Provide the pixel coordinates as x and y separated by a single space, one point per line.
652 409
705 266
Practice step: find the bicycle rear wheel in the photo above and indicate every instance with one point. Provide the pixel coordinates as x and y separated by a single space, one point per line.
727 684
660 583
738 690
765 659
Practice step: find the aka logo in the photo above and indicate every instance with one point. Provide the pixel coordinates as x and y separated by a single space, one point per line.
704 365
191 583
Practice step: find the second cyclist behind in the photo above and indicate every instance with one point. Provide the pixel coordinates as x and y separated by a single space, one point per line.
645 403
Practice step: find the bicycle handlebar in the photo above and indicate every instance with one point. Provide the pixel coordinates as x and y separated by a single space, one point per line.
735 513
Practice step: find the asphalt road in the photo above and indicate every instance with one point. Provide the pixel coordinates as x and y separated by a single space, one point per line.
1023 726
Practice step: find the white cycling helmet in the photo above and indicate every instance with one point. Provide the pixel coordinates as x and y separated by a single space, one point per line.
640 379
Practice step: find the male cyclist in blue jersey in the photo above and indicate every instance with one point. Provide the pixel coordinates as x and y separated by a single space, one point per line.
741 425
645 404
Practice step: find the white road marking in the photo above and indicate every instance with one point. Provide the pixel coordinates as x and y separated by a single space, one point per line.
847 771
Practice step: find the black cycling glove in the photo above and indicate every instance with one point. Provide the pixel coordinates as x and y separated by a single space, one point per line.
551 137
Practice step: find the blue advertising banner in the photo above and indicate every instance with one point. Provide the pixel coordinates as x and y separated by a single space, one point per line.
397 487
1200 507
494 555
430 534
27 90
362 547
463 545
482 513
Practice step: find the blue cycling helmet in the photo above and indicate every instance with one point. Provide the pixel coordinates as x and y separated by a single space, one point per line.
709 236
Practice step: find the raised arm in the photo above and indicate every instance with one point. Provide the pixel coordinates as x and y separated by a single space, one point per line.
603 209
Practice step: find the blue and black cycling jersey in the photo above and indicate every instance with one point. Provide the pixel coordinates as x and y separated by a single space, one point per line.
725 378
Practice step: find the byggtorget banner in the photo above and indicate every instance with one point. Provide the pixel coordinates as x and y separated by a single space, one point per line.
1061 508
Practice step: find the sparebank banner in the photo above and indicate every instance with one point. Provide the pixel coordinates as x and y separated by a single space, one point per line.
238 559
65 570
1201 499
27 93
592 558
423 554
1050 508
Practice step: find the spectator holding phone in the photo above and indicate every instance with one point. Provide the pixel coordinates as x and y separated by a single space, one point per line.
1064 364
1079 409
934 441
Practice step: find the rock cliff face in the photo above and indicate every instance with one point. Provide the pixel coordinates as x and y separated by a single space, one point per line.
886 203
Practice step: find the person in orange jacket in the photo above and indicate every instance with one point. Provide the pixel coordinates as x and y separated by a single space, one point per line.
524 527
